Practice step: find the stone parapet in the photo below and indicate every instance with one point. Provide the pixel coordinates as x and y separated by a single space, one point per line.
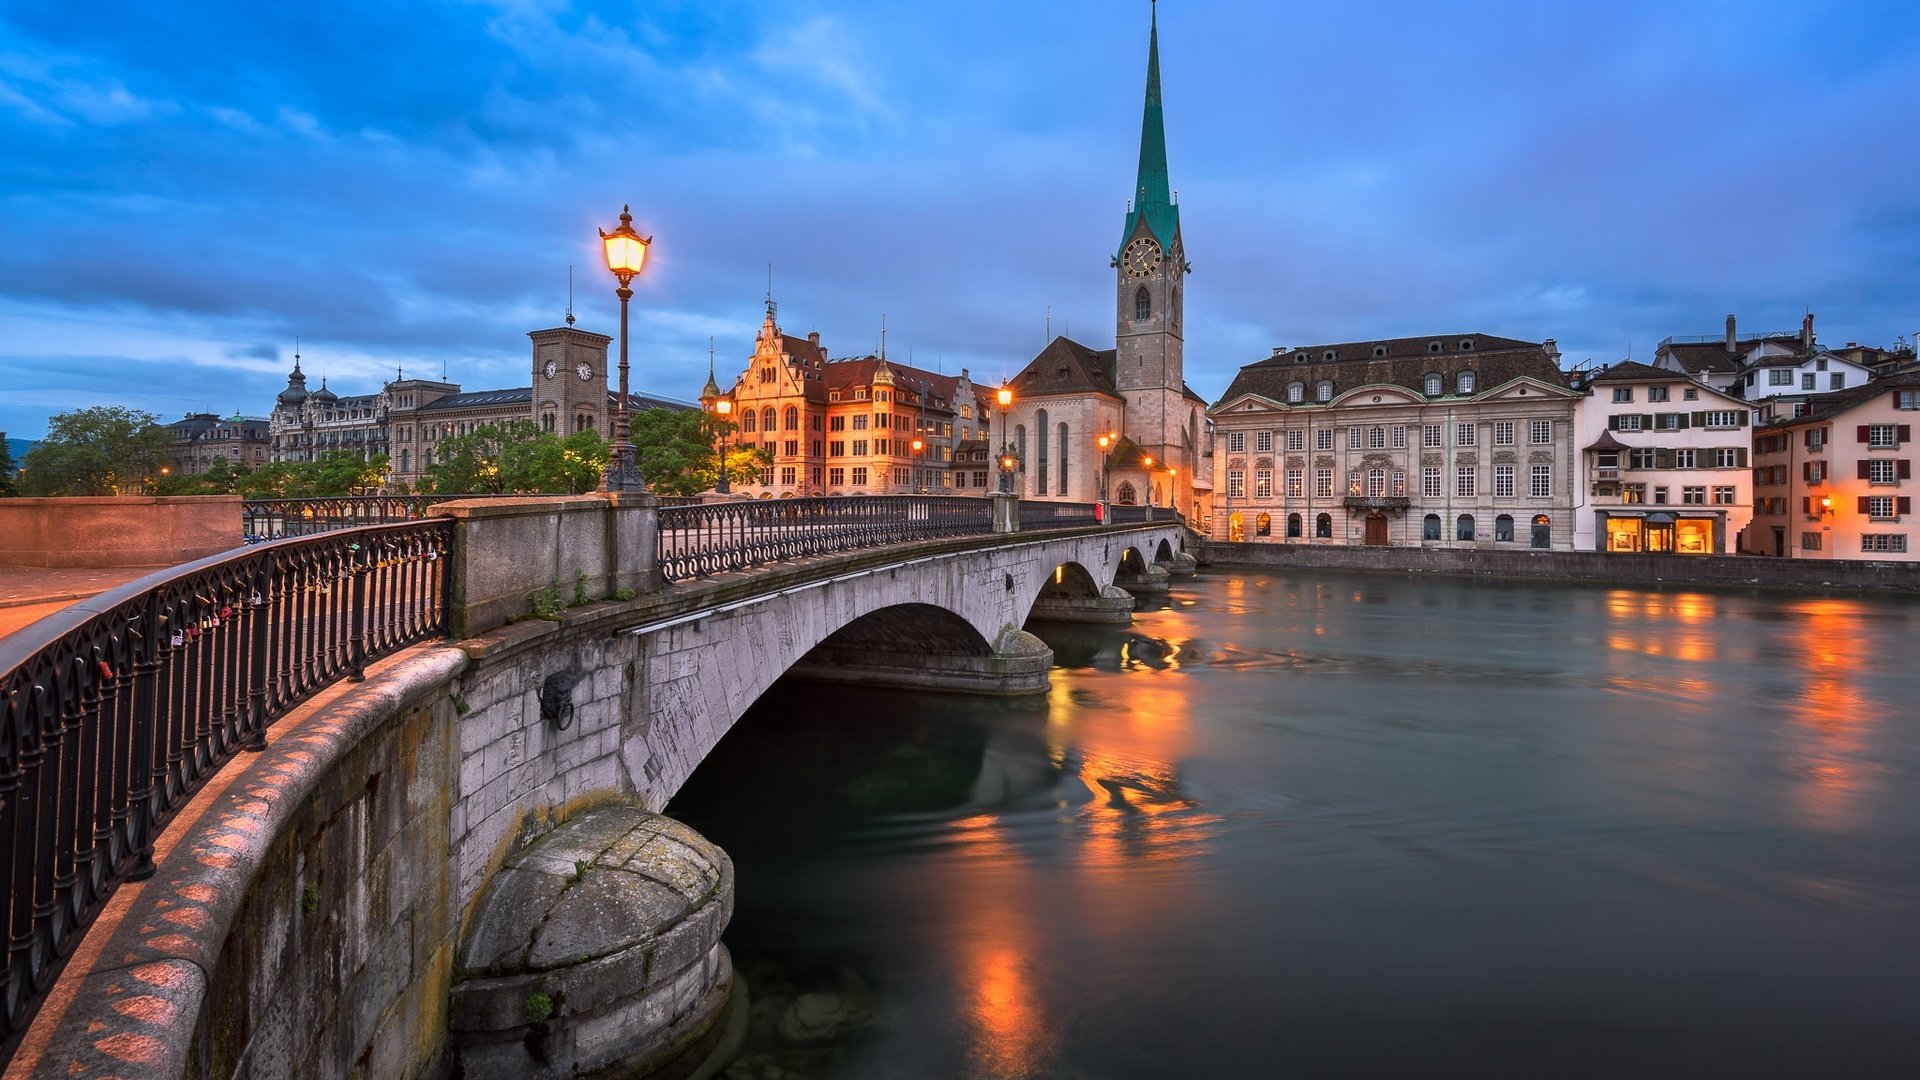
117 531
507 550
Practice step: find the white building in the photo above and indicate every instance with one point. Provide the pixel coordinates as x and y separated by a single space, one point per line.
1665 463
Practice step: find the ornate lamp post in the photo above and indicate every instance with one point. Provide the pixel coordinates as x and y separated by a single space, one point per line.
919 472
1004 396
626 252
723 408
1106 450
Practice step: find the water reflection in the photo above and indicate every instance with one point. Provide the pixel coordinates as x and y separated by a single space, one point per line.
1832 715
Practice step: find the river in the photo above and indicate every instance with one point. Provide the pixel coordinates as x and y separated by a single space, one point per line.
1320 825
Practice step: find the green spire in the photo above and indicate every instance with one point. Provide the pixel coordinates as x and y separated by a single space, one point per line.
1151 194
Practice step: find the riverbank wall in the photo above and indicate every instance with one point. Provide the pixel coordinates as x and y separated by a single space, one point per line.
1728 571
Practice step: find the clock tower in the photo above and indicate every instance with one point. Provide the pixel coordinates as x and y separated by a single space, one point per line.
1149 267
570 380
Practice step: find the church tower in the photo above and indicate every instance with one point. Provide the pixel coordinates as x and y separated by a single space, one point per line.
1148 270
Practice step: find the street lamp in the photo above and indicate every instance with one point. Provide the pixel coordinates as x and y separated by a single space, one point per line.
723 408
626 252
1005 396
1107 439
919 475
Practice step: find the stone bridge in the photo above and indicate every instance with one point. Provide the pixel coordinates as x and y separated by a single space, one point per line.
334 906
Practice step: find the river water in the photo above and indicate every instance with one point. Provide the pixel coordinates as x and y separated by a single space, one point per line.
1325 825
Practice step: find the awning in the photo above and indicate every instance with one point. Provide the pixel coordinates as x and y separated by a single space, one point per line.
1660 519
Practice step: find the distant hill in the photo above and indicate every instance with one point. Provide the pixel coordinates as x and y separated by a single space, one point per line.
19 447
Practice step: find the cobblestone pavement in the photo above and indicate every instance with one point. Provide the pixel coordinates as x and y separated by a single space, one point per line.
28 593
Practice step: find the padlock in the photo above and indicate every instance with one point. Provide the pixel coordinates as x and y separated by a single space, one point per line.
256 600
176 639
106 670
226 611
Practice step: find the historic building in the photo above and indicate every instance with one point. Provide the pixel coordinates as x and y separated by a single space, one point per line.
1456 441
1784 368
406 418
200 439
1837 482
1666 463
1070 394
848 426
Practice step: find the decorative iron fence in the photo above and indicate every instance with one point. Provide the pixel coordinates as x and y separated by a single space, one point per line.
718 537
1036 515
1135 515
114 712
272 519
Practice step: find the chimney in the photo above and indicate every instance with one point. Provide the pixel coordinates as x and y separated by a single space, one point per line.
1278 349
1731 347
1806 332
813 338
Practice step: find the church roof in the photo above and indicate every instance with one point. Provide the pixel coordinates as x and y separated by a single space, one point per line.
1152 199
1066 367
1493 360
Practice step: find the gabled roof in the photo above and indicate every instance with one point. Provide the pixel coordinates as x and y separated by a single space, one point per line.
1067 367
908 381
1634 371
1827 406
1494 362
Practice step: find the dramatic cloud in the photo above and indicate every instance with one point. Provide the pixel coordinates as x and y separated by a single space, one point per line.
189 187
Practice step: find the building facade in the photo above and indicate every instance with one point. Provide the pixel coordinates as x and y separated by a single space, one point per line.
1457 441
200 439
1666 466
1837 482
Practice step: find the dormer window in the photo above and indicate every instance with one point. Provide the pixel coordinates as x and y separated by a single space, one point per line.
1433 346
1463 382
1466 344
1433 384
1323 392
860 394
1329 355
1379 350
1296 393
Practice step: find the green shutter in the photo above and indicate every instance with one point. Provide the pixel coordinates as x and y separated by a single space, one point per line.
1662 458
1699 419
1740 456
1683 421
1613 422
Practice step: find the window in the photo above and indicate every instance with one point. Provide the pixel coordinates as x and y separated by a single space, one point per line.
1626 422
1906 399
1430 484
1399 484
792 418
1236 442
1813 472
1723 496
1693 495
1465 484
1660 496
1376 483
1780 377
1816 438
1722 419
1353 438
1880 470
1730 457
1837 381
1376 438
1400 436
1877 507
1896 542
1433 384
1353 481
1633 493
1323 526
1622 393
1296 439
747 420
1294 484
1684 458
1809 541
1323 439
1323 392
1430 527
791 448
1806 380
1666 421
1263 442
1463 527
1640 458
786 475
1503 433
1323 483
836 476
859 448
860 422
1503 528
1296 393
1263 524
1293 526
1882 435
1142 304
1690 394
1503 481
1463 433
1540 482
1463 382
1657 393
1263 483
836 423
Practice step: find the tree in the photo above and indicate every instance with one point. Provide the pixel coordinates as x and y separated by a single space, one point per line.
103 450
678 451
6 467
517 457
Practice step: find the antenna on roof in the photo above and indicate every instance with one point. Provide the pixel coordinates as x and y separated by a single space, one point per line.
569 294
883 335
1049 336
771 307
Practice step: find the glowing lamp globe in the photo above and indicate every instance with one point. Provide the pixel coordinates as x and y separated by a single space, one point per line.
626 250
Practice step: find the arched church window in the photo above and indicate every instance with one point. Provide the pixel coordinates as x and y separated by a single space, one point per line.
1127 495
1040 462
1142 304
766 419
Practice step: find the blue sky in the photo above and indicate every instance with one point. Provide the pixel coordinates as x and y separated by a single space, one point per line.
186 187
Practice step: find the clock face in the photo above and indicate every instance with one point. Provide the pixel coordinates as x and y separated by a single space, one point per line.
584 370
552 368
1141 257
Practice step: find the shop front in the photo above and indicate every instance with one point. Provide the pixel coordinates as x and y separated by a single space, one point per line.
1662 532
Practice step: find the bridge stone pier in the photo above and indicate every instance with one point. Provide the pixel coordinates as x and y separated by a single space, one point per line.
322 912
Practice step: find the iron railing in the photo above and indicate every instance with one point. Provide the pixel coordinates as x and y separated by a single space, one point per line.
1035 514
1135 515
114 711
271 519
718 537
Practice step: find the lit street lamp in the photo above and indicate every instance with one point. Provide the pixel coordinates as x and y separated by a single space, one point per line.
626 252
1107 439
1007 461
723 408
919 477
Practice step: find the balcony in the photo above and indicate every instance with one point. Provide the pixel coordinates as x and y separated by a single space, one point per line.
1398 503
1604 474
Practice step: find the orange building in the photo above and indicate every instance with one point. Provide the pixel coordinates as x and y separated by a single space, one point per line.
1837 483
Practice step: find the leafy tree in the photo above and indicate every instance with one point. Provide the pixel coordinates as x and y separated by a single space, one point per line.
679 451
517 457
270 481
103 450
334 474
6 467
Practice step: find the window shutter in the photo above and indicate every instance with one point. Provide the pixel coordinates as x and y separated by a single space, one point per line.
1862 506
1699 419
1647 422
1740 456
1613 422
1662 458
1862 474
1903 433
1681 418
1806 470
1862 434
1740 418
1903 469
1806 504
1903 504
